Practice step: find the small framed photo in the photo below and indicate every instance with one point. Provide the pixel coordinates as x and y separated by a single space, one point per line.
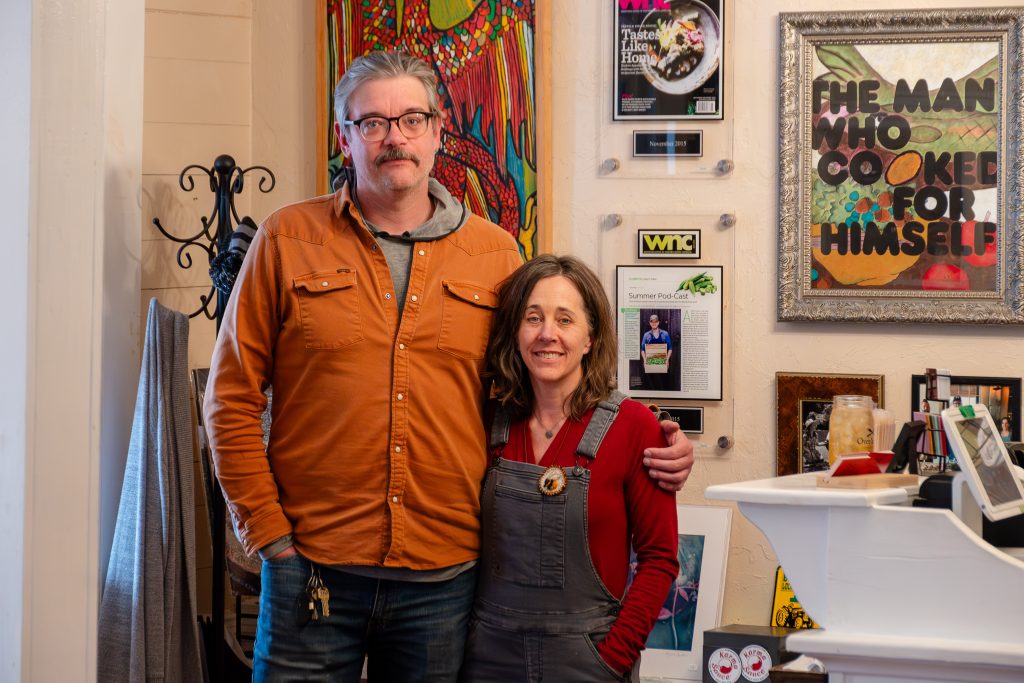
803 404
668 59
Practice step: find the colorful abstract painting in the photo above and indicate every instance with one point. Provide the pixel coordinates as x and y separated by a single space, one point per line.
482 53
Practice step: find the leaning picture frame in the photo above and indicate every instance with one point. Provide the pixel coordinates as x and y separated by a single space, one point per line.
1000 395
803 403
675 647
899 190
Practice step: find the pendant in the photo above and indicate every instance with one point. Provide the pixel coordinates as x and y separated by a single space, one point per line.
552 482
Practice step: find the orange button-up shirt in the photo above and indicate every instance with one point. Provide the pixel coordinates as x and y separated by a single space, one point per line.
377 449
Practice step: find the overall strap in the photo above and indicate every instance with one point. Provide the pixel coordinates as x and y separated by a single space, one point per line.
604 415
500 427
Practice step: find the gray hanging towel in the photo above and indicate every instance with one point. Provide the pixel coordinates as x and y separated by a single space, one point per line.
148 629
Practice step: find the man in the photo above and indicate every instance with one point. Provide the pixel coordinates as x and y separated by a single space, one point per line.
368 312
656 380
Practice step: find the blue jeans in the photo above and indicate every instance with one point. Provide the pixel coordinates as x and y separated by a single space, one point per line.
408 631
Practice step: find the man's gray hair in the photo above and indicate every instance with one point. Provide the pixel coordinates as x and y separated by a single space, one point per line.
379 64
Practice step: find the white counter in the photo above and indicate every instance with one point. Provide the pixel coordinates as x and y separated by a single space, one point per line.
902 593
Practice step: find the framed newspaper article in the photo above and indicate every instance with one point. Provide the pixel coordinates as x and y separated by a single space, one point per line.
669 321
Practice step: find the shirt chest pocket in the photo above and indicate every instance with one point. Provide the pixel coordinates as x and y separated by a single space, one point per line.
328 304
466 311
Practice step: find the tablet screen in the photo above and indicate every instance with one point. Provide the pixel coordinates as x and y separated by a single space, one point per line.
986 452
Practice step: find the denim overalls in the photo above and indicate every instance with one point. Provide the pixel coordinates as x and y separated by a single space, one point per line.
540 606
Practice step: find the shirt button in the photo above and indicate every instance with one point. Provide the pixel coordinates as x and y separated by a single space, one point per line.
414 297
422 253
387 295
394 499
398 449
374 247
325 283
476 297
400 397
401 347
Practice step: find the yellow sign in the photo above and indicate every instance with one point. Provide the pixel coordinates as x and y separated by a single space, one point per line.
786 609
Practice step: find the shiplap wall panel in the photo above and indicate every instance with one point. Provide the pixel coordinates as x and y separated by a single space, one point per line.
172 146
197 105
181 35
197 91
230 8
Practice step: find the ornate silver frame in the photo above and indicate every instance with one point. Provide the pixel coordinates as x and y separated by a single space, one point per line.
799 34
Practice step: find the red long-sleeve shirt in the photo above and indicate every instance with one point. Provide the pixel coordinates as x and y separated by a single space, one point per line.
623 504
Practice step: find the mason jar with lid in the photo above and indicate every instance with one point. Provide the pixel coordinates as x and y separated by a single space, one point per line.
850 427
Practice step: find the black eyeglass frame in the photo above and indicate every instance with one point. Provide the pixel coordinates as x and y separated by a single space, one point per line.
391 120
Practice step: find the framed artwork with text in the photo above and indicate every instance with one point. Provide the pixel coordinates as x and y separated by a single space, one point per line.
899 186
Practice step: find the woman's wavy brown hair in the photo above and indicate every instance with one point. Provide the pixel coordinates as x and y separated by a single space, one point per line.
505 367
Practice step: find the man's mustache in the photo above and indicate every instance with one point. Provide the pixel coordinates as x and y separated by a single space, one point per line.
395 154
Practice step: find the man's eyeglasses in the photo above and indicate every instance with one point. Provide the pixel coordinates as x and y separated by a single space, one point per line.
413 124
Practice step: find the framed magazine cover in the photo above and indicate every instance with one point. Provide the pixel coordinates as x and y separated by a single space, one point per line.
899 187
668 59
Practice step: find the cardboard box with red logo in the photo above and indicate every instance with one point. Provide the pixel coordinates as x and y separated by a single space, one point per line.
744 654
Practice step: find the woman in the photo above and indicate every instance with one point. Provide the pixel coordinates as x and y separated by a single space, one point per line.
1004 429
562 505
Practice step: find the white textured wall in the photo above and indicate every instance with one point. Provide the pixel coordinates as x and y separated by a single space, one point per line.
760 346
